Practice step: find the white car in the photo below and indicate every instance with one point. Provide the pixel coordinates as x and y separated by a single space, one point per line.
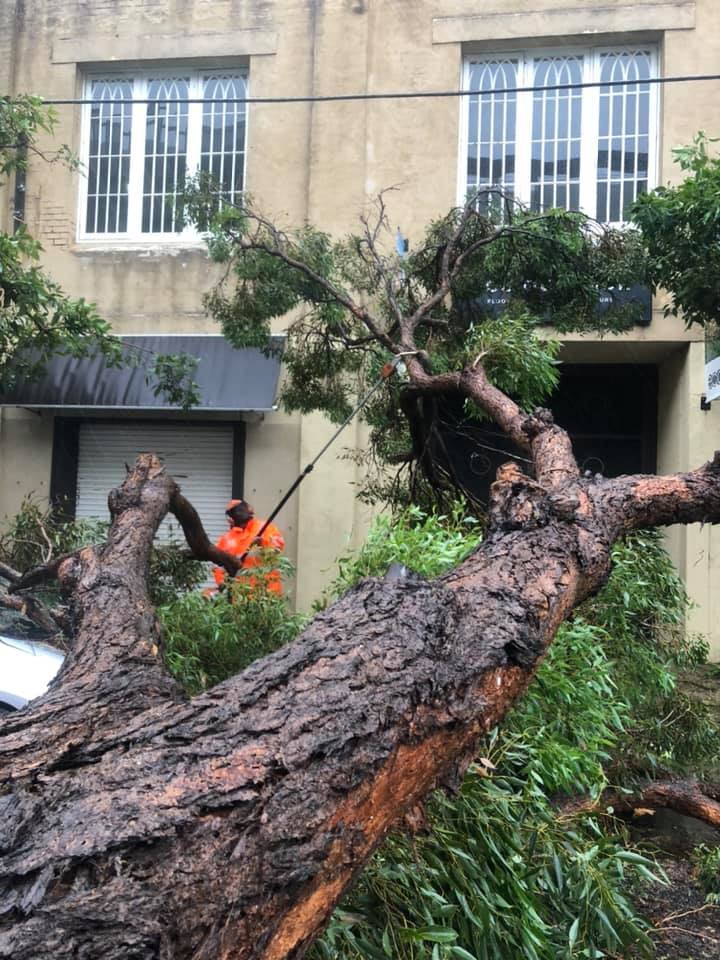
26 669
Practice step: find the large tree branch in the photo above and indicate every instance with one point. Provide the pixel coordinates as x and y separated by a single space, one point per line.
9 573
229 826
653 501
200 544
49 621
277 250
536 433
691 797
116 643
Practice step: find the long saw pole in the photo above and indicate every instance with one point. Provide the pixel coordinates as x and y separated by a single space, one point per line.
387 371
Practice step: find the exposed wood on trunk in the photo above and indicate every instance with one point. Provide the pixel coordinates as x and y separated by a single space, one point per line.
137 824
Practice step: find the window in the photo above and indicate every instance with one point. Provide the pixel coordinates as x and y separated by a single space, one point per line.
562 145
144 134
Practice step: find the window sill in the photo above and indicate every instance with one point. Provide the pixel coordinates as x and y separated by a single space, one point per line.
146 248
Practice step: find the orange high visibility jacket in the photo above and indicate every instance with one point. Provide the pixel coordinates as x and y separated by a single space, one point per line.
237 540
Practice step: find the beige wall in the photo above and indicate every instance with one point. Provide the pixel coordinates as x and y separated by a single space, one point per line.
323 162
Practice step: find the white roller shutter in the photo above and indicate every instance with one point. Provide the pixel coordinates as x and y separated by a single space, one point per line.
200 457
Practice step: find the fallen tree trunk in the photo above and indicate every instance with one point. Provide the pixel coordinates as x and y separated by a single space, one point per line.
135 823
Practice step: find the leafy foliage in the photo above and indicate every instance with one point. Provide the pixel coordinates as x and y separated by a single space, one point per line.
173 375
707 868
37 534
210 639
516 361
21 119
500 850
642 611
681 227
172 573
354 302
426 543
37 319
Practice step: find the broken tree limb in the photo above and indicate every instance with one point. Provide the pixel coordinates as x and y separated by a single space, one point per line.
9 573
51 621
688 796
47 620
201 547
137 824
40 574
115 658
536 433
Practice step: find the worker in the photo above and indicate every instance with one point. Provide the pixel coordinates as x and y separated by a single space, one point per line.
242 537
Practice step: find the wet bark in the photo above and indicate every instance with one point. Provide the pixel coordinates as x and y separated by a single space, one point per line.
691 797
135 823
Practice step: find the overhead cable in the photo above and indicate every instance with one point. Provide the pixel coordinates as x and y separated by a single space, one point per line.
398 95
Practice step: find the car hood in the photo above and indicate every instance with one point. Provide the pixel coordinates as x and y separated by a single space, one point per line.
26 669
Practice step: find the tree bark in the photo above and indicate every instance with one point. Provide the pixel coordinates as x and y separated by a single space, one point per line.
691 797
138 824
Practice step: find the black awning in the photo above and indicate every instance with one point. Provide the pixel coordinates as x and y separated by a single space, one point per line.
229 379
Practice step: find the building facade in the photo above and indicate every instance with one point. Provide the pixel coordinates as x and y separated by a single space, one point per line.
158 75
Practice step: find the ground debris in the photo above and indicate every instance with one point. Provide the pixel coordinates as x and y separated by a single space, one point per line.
685 927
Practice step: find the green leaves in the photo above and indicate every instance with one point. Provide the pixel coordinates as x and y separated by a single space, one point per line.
348 303
501 874
429 544
173 379
20 120
513 355
680 226
37 319
707 868
208 640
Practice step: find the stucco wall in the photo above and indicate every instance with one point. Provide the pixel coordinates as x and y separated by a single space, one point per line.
323 162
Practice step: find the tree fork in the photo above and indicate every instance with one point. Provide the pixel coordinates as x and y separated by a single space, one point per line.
135 823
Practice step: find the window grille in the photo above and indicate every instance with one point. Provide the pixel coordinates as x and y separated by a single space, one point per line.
580 148
142 139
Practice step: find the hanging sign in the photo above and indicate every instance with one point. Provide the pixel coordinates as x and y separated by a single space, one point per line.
712 379
712 365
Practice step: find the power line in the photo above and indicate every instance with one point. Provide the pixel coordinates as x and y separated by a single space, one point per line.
399 95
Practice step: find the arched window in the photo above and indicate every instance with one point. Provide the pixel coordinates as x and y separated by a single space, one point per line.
573 130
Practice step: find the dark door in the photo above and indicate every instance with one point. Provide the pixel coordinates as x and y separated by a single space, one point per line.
609 410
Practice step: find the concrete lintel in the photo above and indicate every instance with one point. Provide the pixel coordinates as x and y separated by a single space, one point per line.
176 46
578 20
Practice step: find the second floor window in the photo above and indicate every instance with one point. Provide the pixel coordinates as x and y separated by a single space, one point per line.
144 135
573 147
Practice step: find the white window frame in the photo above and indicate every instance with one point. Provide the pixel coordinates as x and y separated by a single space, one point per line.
140 78
589 123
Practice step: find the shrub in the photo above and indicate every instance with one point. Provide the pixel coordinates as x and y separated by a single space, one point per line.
210 639
707 869
428 543
37 533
